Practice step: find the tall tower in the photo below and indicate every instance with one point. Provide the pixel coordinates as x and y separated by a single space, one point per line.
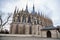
26 8
33 11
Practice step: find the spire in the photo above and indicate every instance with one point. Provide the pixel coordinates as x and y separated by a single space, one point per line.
33 9
26 8
38 13
15 10
41 13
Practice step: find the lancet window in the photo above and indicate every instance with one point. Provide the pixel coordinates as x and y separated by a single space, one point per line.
18 19
29 19
24 19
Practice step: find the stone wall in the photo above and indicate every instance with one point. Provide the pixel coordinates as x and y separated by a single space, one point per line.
23 37
54 33
58 34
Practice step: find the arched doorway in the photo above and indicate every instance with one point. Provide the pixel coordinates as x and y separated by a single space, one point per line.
48 34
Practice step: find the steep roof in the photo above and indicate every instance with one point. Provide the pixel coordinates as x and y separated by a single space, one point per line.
50 28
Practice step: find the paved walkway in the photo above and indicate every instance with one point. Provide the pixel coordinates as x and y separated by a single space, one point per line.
23 37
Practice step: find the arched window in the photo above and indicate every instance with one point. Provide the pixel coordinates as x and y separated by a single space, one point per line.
37 21
34 22
24 19
48 34
18 19
29 19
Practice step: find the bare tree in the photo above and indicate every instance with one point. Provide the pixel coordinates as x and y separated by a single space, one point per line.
3 23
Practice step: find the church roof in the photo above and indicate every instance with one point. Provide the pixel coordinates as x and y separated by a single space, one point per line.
50 28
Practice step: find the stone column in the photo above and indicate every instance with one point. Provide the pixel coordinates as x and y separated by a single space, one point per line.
20 29
16 19
26 19
11 28
40 32
26 29
33 30
14 29
19 25
36 29
21 19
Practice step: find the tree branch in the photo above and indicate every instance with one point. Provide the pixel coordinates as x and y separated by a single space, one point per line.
7 20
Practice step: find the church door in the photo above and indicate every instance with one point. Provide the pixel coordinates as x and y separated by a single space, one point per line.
48 34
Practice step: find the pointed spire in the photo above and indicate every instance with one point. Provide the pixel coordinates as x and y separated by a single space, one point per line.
33 9
41 13
38 13
15 10
26 8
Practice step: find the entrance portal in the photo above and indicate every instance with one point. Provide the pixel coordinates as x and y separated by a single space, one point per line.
48 34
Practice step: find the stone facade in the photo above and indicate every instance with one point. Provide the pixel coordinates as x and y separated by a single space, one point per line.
31 23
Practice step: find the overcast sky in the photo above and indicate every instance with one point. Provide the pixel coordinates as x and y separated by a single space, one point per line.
49 7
